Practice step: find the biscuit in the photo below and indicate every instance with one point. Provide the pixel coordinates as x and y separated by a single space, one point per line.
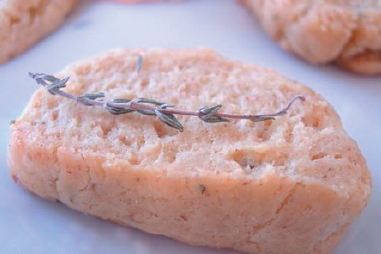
325 31
291 185
23 23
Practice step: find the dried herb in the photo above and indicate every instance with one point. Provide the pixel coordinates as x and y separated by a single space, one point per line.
202 188
139 63
163 111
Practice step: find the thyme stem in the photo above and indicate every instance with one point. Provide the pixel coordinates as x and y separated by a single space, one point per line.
166 113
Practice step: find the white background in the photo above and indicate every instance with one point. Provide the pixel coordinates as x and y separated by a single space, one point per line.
31 225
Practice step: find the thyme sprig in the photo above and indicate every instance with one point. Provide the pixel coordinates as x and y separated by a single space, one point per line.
163 111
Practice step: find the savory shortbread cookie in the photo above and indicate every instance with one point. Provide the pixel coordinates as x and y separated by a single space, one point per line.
324 31
23 23
292 185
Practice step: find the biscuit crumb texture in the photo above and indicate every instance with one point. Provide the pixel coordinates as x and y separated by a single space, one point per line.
322 31
23 23
292 185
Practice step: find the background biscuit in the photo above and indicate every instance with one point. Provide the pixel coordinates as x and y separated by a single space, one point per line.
23 23
324 31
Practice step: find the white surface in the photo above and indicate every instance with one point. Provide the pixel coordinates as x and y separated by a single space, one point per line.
31 225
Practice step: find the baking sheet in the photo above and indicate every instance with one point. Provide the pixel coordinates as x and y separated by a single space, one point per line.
31 225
